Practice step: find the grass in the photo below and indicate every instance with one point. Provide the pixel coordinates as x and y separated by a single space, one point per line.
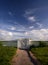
42 54
6 54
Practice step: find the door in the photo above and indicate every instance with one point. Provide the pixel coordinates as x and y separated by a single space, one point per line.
24 44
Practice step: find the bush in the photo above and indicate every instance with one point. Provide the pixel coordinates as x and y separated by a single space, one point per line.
0 43
42 44
33 46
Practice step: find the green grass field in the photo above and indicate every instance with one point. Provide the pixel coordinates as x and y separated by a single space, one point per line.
6 54
42 54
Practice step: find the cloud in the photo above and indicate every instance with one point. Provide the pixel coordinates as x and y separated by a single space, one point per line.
19 27
10 13
38 35
32 18
40 25
5 35
28 12
29 15
12 28
31 27
8 35
15 26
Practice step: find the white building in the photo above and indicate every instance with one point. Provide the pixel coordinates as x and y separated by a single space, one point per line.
26 43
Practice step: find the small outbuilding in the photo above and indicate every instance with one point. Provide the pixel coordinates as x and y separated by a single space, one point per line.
24 43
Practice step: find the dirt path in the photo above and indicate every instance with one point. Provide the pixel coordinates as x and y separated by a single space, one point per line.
23 57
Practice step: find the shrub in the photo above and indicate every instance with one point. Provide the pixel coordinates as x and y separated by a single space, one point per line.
42 44
0 43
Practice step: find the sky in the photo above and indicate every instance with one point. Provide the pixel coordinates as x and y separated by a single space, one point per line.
24 19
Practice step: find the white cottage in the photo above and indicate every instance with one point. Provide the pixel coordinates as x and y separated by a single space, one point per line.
24 43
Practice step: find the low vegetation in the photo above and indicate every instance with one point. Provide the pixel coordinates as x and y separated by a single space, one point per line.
41 53
6 54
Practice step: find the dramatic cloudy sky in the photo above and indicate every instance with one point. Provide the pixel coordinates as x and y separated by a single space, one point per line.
24 19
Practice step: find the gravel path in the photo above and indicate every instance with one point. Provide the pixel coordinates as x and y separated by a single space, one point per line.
24 57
